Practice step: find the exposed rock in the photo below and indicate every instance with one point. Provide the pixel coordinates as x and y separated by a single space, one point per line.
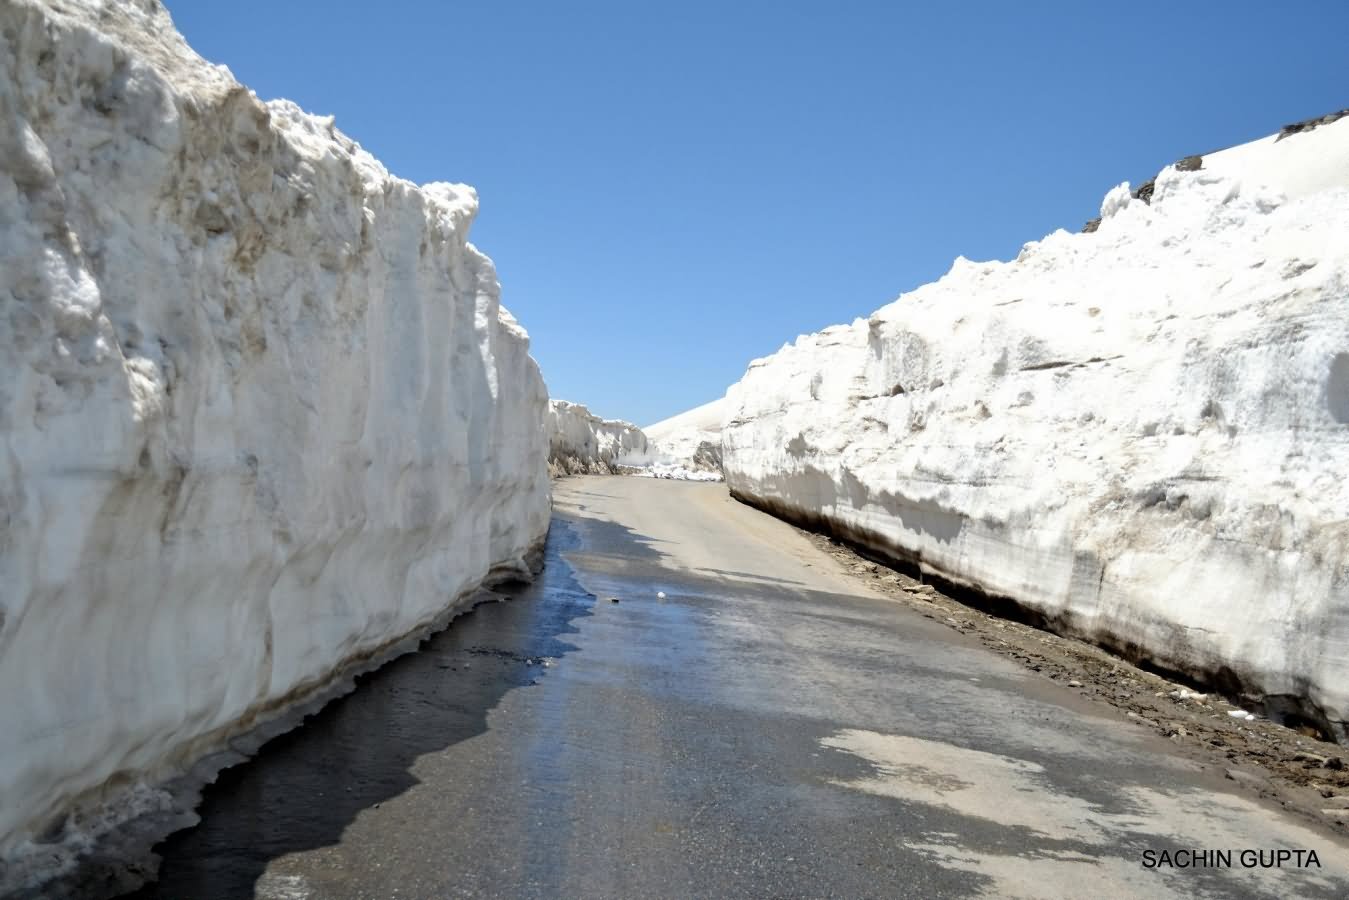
1311 124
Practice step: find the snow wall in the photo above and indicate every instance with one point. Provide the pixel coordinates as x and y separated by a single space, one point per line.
1138 436
691 439
581 443
261 415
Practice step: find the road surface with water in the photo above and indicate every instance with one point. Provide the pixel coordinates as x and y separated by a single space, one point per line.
768 728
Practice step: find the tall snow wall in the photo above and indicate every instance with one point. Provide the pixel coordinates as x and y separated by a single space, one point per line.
1140 436
582 443
261 414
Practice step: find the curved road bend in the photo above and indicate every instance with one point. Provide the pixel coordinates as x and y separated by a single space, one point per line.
769 729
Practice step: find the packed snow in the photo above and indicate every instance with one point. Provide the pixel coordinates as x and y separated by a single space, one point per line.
687 447
1139 434
691 441
582 443
262 415
675 472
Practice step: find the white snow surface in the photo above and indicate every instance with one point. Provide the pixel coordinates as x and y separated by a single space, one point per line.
676 472
684 431
261 411
580 442
1142 433
691 441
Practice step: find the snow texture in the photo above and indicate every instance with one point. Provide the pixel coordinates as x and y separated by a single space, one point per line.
675 472
261 414
1140 435
581 443
691 441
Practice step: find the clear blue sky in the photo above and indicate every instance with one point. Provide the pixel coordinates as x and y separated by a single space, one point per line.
670 190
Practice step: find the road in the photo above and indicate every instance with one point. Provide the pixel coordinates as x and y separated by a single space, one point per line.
769 728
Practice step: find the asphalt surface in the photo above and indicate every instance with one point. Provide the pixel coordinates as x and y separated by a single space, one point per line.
769 728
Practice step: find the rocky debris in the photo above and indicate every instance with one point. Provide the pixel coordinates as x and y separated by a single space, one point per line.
1311 124
563 464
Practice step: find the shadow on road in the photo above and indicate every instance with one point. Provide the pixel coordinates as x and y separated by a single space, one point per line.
305 787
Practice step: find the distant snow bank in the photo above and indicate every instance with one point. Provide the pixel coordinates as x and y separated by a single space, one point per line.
262 416
1141 434
691 441
676 472
582 443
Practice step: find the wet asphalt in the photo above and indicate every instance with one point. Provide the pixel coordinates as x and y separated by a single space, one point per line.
767 729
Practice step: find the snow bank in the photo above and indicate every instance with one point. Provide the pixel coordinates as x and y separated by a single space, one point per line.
691 441
581 443
676 472
261 413
1141 434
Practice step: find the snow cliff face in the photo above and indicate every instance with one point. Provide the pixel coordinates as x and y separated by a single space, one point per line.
581 443
261 412
1141 434
691 439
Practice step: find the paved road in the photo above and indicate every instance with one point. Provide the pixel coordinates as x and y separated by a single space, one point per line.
768 729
